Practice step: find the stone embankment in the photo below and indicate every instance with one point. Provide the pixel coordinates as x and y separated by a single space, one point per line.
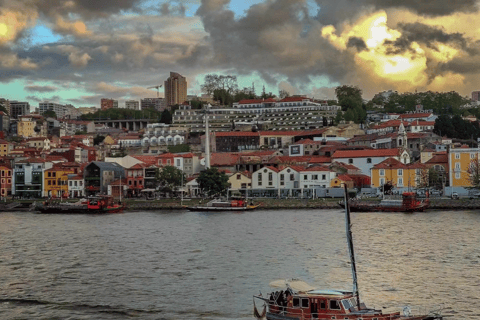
441 204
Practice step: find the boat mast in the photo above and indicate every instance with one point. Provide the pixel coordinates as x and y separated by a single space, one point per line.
350 247
207 138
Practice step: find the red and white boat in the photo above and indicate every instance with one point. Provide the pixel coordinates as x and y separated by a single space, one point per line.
104 204
299 301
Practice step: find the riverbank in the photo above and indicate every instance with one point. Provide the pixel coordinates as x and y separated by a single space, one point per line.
268 204
273 204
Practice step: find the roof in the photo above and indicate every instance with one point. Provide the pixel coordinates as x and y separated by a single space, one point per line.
32 160
320 159
250 101
390 163
224 159
415 115
344 177
316 168
366 153
294 99
237 134
438 158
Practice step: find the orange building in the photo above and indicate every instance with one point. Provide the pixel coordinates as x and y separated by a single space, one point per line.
5 181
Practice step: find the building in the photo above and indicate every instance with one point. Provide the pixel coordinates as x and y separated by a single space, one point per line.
175 89
60 109
28 176
5 180
158 104
76 186
316 176
106 104
4 148
26 126
399 174
462 161
475 95
99 175
366 159
240 180
38 143
56 181
18 108
4 122
132 105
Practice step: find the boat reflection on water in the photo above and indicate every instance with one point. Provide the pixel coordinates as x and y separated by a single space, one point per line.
300 301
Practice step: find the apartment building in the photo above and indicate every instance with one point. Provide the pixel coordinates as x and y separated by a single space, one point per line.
19 108
175 89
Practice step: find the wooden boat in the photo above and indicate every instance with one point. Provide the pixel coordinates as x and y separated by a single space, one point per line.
98 204
299 301
104 204
233 204
408 203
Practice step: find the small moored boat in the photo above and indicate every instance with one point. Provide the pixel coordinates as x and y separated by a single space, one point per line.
232 204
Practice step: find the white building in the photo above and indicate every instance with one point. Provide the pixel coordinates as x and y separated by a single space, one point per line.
289 177
76 186
132 105
317 176
366 159
265 178
59 109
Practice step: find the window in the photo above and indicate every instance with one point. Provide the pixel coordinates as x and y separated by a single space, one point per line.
472 155
49 175
296 302
304 303
382 172
457 175
315 177
334 305
400 182
400 172
305 177
324 176
457 155
239 176
322 304
382 182
457 165
49 183
369 160
350 161
282 177
292 177
270 176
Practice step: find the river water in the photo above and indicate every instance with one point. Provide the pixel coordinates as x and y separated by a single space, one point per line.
188 265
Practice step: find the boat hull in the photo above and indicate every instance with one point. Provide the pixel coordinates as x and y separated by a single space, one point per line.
207 208
64 209
354 207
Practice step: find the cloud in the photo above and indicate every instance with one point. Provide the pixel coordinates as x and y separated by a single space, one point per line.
38 88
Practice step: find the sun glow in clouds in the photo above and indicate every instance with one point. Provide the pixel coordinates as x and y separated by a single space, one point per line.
3 29
406 69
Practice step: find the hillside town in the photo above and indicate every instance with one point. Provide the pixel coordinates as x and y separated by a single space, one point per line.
268 147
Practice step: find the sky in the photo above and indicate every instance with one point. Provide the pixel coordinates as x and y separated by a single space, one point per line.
79 51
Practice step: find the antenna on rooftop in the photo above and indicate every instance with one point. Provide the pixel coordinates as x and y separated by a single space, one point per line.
156 87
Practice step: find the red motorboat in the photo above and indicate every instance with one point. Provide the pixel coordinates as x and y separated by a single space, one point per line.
299 301
408 203
104 204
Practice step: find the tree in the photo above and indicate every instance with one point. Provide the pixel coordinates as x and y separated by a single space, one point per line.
4 109
50 114
473 172
349 97
283 94
423 179
213 182
169 178
98 139
166 117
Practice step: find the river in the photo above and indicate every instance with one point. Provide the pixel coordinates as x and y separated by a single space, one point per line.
188 265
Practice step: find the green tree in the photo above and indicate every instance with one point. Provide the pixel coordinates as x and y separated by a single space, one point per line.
169 178
349 97
50 114
213 182
98 139
179 148
283 94
4 109
166 117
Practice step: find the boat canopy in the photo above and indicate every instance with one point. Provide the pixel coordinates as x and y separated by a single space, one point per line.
330 292
297 285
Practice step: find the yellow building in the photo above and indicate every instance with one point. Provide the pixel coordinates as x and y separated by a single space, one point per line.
26 126
459 162
56 182
4 148
399 174
240 180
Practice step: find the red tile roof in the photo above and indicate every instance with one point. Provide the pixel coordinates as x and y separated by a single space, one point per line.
366 153
415 115
316 168
294 99
320 159
224 159
438 158
237 134
250 101
344 177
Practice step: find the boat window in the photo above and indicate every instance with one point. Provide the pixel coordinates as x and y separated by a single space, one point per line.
353 302
322 304
304 303
346 304
334 305
296 302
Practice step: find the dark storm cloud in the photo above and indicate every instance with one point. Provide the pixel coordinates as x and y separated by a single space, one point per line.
426 7
36 88
357 43
272 38
86 8
428 35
